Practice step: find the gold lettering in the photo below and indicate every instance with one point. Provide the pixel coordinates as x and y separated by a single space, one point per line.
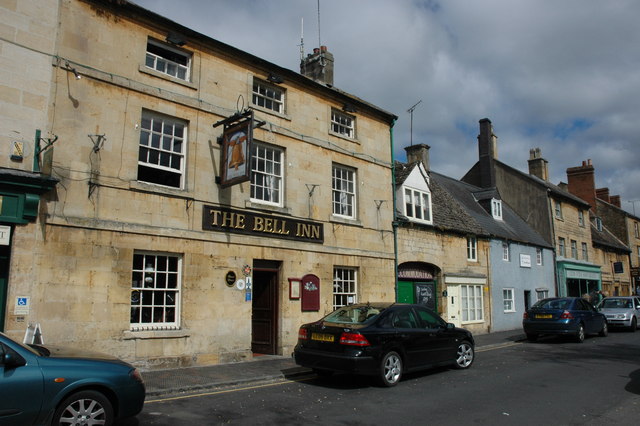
268 225
304 230
258 224
215 214
239 221
283 228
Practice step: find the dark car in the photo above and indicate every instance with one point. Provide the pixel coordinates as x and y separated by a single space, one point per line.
382 339
621 311
58 386
568 316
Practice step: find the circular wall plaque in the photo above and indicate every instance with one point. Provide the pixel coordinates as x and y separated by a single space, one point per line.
230 278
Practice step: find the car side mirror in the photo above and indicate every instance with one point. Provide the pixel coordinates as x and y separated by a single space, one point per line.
11 360
450 326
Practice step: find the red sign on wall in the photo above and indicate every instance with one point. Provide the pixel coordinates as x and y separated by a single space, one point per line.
310 293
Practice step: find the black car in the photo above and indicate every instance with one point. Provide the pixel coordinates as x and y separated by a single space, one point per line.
567 316
382 339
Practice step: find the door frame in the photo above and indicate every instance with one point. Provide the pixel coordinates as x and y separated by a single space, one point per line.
273 269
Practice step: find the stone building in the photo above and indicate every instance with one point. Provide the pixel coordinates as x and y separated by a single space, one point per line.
560 217
199 203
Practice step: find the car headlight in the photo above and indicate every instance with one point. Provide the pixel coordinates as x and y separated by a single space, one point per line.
622 316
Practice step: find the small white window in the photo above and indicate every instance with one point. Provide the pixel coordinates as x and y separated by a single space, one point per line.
508 301
417 205
585 252
538 256
266 174
598 224
472 249
574 249
168 60
496 209
542 294
343 188
345 287
162 148
636 229
268 96
581 218
472 304
562 251
343 124
558 209
505 251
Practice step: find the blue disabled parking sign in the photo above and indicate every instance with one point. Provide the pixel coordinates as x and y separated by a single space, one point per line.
22 306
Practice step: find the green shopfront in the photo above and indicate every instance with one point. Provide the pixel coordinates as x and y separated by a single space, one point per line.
577 279
20 193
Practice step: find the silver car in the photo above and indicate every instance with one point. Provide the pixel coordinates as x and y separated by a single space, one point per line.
621 311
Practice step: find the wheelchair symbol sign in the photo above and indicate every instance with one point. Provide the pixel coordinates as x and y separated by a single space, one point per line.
22 301
22 306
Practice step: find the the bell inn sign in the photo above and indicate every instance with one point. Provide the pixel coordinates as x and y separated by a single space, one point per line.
250 223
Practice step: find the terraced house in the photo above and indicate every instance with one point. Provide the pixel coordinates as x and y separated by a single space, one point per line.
190 203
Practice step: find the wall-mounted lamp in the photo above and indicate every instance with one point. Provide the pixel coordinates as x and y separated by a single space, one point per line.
348 108
175 38
274 78
73 70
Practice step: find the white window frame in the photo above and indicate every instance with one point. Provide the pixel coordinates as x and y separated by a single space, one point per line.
508 300
574 249
581 218
162 143
471 303
268 97
542 293
598 222
267 174
472 249
562 247
496 209
585 251
166 64
539 256
636 229
345 286
558 209
343 124
506 255
417 205
343 191
151 284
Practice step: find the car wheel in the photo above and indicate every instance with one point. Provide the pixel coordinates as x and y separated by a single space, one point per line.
464 355
634 324
605 330
391 369
85 408
322 373
532 337
580 334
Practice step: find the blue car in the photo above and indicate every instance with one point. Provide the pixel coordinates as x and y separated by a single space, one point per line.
568 316
58 386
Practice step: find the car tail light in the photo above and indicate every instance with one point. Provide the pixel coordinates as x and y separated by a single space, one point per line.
566 315
135 375
353 339
525 316
302 334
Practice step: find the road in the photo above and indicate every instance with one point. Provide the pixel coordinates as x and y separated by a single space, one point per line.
548 382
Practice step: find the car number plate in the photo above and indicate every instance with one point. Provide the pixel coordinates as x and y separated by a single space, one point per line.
543 316
322 337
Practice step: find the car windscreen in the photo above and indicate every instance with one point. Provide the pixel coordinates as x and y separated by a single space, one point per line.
616 304
553 304
30 349
355 314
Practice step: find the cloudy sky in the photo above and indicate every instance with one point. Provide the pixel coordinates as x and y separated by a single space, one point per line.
563 76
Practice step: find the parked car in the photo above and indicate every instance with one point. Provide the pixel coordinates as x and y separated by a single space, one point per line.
384 340
569 316
47 385
621 311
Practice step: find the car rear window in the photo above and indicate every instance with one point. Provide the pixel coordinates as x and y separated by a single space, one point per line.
553 304
356 314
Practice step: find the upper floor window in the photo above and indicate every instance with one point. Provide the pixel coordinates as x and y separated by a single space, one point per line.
155 291
581 218
345 287
505 251
472 249
266 174
162 150
168 60
538 256
268 96
585 252
598 222
496 209
558 209
343 124
343 188
562 251
636 229
417 204
574 249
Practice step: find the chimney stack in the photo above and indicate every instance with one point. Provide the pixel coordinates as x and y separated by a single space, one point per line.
487 152
419 153
603 194
318 66
538 166
582 182
615 200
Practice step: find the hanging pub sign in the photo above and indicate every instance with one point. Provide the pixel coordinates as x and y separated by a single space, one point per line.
235 158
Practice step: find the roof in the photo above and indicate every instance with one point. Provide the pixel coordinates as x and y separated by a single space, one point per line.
606 239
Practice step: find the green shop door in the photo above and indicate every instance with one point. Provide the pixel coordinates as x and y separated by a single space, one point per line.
420 292
4 280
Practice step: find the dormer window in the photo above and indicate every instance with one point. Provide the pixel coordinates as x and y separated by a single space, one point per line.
417 205
168 60
496 209
598 222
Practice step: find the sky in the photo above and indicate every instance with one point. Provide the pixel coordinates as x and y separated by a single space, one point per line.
562 76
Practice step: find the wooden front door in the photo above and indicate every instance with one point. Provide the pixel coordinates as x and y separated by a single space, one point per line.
264 314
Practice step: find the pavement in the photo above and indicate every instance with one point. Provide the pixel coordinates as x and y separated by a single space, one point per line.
263 369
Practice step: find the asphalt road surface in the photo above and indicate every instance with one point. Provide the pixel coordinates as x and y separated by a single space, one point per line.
552 381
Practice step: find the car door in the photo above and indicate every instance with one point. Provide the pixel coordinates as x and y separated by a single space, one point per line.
21 387
410 335
591 318
440 345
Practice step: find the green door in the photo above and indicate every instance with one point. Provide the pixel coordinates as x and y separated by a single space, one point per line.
4 279
421 292
406 293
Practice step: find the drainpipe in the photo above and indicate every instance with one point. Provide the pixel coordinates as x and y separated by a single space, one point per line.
395 221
